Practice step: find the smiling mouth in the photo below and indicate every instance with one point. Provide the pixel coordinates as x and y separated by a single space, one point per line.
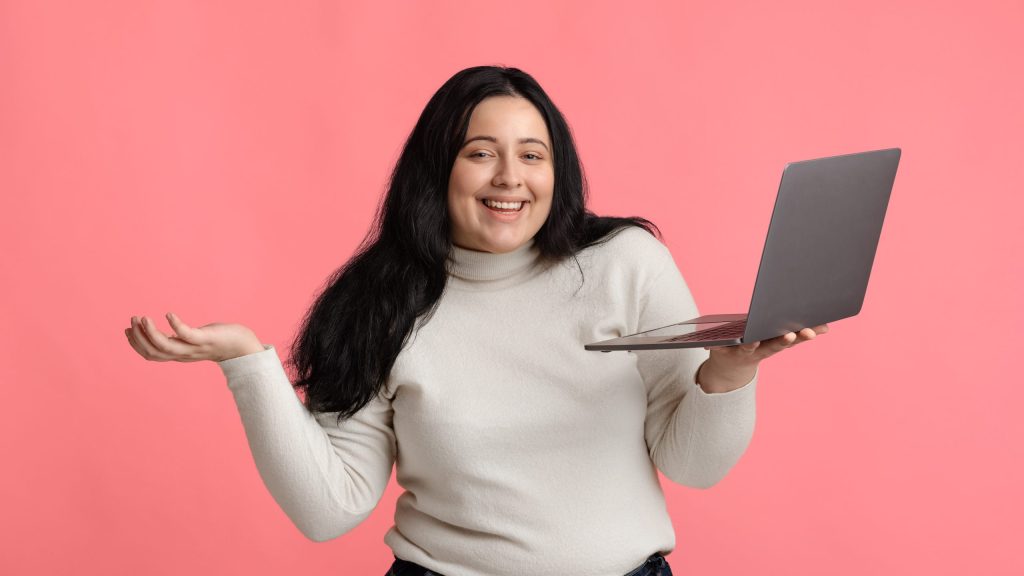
504 207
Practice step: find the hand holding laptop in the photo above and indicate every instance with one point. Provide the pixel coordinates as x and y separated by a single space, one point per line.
814 269
732 367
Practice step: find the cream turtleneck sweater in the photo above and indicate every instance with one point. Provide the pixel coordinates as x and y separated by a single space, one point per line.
519 451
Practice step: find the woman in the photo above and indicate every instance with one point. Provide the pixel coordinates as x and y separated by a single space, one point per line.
452 345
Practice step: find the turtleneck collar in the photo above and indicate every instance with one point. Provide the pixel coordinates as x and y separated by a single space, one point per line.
484 266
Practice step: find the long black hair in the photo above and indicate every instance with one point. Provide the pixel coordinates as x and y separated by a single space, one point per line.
354 331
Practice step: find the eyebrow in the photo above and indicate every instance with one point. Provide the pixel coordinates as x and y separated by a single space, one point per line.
495 140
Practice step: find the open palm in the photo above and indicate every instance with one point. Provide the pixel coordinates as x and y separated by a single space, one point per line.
217 341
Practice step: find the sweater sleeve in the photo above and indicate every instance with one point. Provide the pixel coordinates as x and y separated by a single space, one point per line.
326 477
694 438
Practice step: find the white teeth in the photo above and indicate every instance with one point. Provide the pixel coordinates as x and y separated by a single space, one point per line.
503 205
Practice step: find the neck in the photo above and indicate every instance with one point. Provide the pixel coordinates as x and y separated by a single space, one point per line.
474 265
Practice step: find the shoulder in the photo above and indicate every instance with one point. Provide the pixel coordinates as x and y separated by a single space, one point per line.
631 255
631 244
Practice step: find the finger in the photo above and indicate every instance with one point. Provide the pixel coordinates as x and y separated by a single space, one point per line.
751 347
146 343
169 348
807 334
142 343
821 329
183 331
131 340
779 343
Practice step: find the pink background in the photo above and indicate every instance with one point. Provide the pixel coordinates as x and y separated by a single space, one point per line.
220 159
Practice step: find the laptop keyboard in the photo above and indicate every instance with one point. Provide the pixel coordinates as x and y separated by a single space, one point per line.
724 332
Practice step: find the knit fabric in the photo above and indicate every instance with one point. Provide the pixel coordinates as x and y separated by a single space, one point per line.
519 451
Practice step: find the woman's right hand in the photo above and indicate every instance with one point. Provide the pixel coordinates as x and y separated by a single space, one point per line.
216 341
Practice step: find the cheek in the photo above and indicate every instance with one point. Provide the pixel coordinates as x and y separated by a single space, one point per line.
543 188
547 181
461 200
458 213
465 180
458 191
544 212
543 207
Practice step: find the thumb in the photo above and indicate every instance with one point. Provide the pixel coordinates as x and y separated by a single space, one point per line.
184 331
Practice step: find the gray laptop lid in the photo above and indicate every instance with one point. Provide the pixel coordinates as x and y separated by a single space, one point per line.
821 242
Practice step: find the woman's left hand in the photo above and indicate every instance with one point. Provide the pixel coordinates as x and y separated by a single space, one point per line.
731 367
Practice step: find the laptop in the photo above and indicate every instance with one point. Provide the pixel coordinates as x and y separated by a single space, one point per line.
816 260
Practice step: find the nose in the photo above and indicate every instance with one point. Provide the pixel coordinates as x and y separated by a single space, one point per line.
507 175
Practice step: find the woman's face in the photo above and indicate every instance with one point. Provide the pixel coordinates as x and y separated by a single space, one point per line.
499 192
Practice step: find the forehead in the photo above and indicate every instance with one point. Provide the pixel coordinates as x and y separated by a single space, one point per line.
507 114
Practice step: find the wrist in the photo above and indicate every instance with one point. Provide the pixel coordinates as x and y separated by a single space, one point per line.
713 378
250 347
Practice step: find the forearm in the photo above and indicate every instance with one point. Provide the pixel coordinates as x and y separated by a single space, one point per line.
714 378
707 435
292 452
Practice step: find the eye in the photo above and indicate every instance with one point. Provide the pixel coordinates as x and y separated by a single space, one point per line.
478 154
531 156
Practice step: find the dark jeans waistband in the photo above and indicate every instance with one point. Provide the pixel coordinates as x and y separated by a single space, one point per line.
655 565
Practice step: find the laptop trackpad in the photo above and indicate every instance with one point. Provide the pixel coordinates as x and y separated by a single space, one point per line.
692 325
715 318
